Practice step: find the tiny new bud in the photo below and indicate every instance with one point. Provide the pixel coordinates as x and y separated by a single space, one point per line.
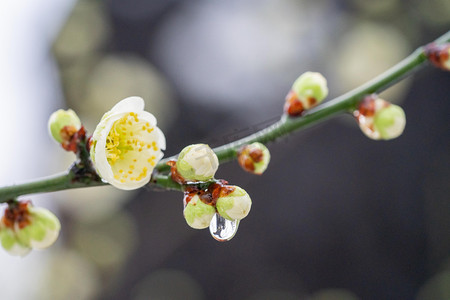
62 124
198 215
390 122
307 91
127 145
254 158
439 55
235 205
197 163
379 119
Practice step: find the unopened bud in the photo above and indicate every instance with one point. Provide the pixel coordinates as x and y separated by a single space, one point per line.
43 230
439 55
254 158
307 91
24 227
197 162
11 243
235 204
198 215
379 119
63 124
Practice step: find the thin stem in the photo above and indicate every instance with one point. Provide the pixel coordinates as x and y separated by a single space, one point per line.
286 125
344 103
53 183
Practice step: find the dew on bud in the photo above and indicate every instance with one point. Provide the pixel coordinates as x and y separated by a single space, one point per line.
234 205
222 229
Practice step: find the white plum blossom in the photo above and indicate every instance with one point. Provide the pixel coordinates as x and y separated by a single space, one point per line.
127 144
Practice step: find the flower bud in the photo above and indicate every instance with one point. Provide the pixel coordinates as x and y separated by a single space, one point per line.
62 124
42 231
379 119
127 144
439 55
11 243
254 158
197 162
307 91
198 215
24 227
234 204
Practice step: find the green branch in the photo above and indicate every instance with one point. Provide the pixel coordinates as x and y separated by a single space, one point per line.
58 182
341 104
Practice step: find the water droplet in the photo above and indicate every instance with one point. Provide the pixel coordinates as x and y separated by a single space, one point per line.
222 229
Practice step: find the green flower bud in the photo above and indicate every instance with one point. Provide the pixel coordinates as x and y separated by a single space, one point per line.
41 231
198 215
439 55
254 158
60 119
390 122
310 88
234 206
44 229
197 162
11 243
379 119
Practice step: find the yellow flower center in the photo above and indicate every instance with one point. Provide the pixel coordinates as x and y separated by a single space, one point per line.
131 148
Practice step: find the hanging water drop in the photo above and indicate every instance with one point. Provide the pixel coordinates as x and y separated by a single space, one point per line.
222 229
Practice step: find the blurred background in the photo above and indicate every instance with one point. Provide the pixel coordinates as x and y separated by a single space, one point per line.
335 217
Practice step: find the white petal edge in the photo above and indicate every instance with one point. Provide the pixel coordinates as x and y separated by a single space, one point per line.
50 238
145 115
19 250
130 104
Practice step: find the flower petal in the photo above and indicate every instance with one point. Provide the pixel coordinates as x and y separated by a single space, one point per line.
127 145
134 103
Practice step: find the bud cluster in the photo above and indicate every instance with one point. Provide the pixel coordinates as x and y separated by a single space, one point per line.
379 119
24 227
204 196
200 206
